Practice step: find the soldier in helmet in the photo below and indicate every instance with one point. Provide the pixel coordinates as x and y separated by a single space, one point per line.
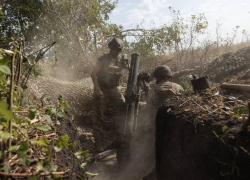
145 135
105 77
163 88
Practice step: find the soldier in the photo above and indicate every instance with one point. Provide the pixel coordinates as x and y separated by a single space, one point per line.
144 140
105 77
163 89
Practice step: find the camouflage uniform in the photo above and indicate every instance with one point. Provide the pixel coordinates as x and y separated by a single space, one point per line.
108 80
162 91
144 139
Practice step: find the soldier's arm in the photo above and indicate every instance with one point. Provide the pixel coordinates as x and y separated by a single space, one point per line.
97 90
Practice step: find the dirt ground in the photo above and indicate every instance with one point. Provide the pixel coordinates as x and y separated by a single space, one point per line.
191 140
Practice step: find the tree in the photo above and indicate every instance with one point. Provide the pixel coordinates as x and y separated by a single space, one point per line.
177 39
18 17
81 28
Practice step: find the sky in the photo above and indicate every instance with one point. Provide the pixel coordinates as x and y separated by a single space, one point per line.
155 13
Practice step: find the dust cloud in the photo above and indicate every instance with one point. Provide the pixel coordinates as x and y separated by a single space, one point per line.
142 154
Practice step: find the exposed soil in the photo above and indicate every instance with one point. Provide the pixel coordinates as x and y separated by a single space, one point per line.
190 140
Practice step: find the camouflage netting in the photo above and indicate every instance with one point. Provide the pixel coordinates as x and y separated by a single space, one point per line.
81 111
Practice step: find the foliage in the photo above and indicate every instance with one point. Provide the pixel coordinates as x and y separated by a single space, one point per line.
16 125
240 110
177 37
81 30
18 17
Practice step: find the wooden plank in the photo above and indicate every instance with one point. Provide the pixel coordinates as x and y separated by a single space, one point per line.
239 87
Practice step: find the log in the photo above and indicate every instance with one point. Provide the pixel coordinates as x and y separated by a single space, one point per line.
239 87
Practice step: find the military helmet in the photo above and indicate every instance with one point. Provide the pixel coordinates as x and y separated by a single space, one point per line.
116 44
162 72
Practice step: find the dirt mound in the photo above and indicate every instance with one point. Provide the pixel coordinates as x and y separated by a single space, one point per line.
223 67
78 122
203 136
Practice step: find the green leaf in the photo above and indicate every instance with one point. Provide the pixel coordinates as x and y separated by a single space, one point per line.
47 117
8 114
24 131
41 142
20 121
81 154
3 120
15 134
240 110
53 111
5 135
21 154
60 97
33 178
57 176
5 69
5 59
60 114
14 124
2 80
52 168
25 161
32 115
83 165
16 51
45 150
71 145
39 167
13 148
91 174
44 142
57 149
34 142
24 146
224 128
66 103
44 127
62 141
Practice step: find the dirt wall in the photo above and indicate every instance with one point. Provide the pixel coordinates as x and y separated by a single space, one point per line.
185 150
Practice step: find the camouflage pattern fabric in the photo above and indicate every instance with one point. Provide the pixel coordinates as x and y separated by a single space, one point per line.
109 110
109 113
109 75
162 91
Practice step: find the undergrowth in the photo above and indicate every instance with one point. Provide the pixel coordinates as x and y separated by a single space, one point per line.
28 142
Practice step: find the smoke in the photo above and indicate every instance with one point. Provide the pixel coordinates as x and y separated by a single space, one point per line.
142 154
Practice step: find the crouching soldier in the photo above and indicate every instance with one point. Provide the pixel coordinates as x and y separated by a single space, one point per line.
163 89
